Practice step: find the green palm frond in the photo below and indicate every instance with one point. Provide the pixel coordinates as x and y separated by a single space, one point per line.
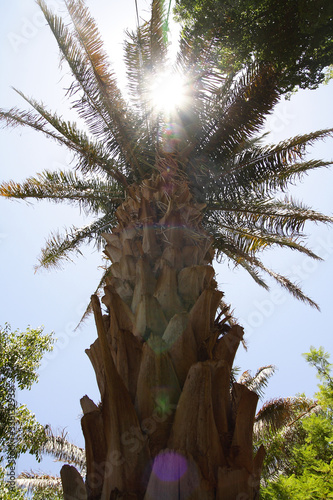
136 59
145 59
259 381
250 240
254 273
274 167
59 248
62 450
93 194
288 285
241 231
146 52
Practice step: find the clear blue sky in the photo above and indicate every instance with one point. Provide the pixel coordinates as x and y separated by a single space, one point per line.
278 328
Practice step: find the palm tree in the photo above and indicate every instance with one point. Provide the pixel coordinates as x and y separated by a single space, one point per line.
169 191
43 485
277 423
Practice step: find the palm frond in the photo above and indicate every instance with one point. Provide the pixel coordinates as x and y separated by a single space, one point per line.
59 248
288 285
93 195
97 292
145 59
101 105
253 272
287 431
63 450
227 168
33 481
278 413
276 166
262 170
259 381
238 112
281 217
90 156
253 265
251 239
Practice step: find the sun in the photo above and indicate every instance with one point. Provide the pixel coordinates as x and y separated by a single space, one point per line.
167 92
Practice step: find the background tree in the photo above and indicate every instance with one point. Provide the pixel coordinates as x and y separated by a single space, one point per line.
169 189
20 357
295 36
40 486
46 487
277 423
307 470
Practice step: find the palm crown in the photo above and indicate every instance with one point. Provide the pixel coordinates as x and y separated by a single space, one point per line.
208 139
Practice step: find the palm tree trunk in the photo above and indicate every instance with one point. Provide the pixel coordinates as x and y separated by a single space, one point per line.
170 424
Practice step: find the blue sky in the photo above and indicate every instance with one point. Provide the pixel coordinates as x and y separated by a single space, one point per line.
278 328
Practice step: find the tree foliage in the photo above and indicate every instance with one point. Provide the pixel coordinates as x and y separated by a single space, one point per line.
295 36
20 357
307 471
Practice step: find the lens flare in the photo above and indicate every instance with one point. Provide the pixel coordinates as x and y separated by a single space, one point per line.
167 92
170 466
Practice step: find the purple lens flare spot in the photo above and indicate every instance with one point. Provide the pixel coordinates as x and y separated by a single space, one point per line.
170 466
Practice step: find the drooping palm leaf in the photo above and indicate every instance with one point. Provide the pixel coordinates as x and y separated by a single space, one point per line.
59 248
253 265
262 170
280 412
58 446
277 426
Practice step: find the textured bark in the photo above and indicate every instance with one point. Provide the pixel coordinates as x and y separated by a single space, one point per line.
169 426
72 484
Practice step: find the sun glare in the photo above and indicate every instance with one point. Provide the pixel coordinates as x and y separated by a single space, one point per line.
168 93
